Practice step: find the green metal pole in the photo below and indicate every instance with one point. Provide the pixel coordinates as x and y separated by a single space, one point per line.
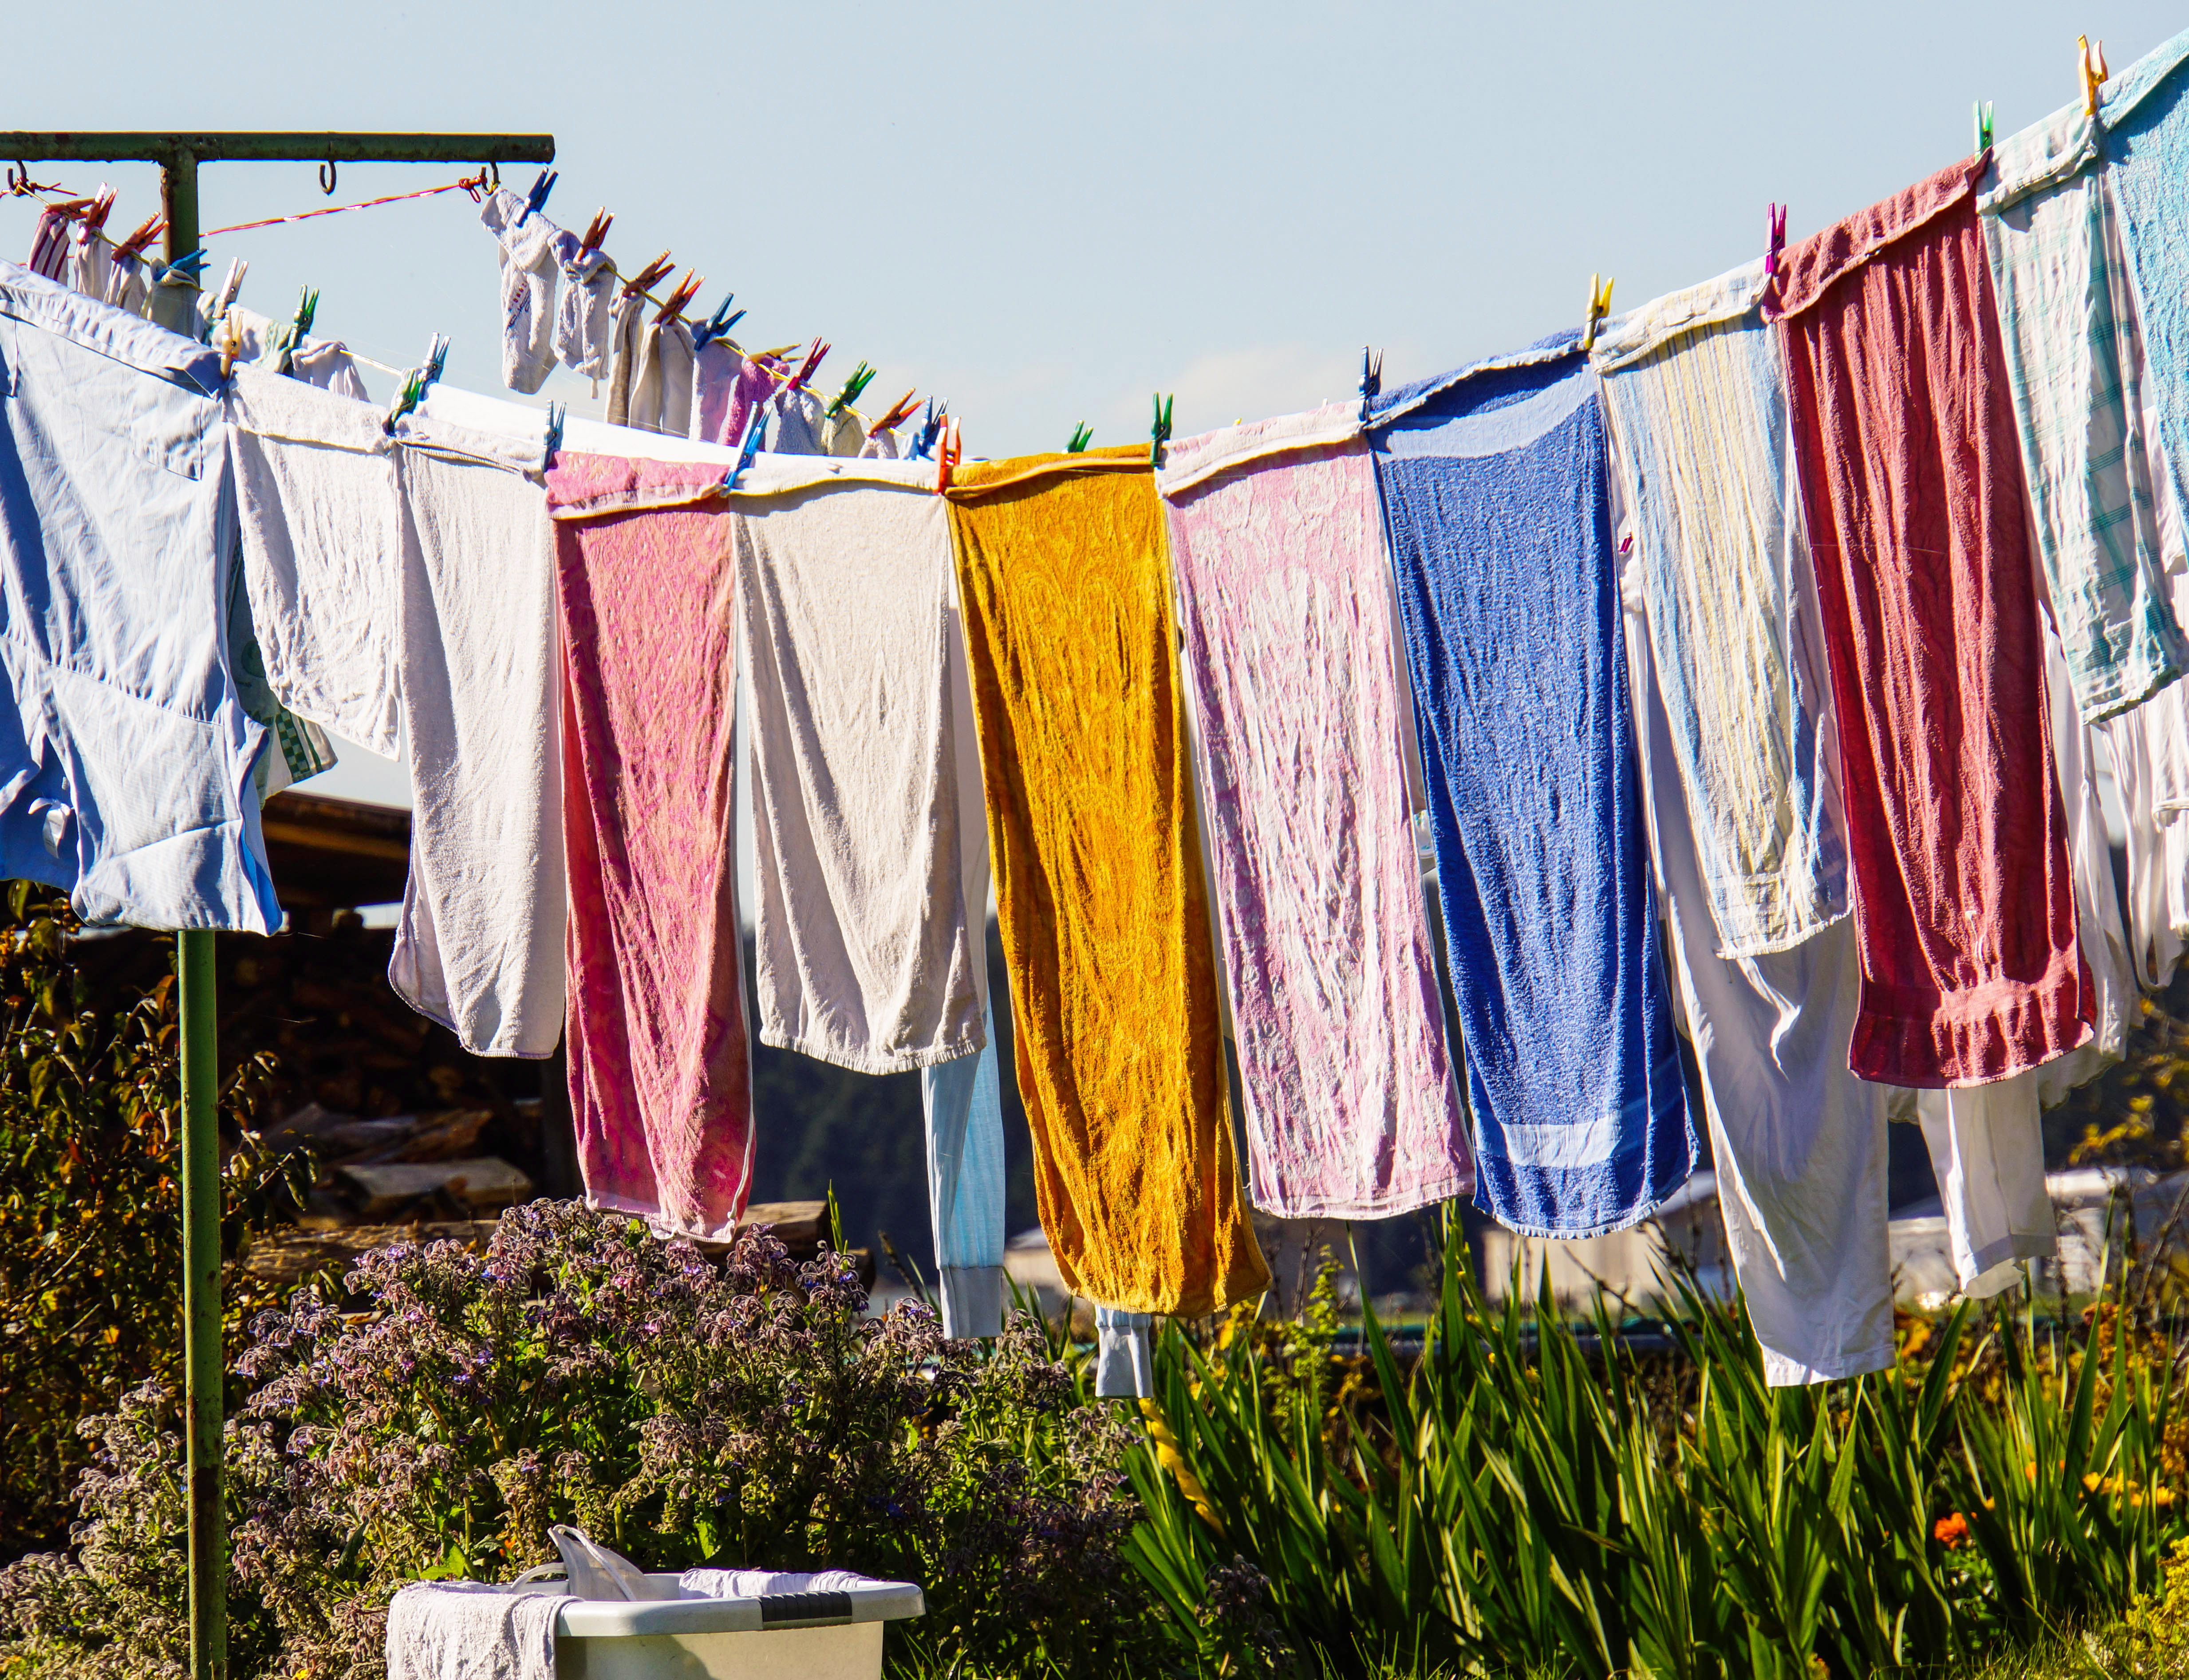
205 1400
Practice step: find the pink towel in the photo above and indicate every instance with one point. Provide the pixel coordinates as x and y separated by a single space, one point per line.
1285 595
660 1073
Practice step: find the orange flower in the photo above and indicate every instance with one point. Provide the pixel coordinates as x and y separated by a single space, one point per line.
1950 1532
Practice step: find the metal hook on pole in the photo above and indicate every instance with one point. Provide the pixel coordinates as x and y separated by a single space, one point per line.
328 174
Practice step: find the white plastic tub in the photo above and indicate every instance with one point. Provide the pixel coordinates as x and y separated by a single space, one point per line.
782 1636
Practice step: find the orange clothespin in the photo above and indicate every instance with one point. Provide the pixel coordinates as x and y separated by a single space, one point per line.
899 412
687 290
595 231
99 209
812 365
1599 306
150 229
659 269
947 454
2091 66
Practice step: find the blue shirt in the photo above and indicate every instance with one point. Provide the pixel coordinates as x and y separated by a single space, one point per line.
125 761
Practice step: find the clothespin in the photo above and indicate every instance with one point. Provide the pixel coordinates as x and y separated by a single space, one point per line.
414 387
2091 66
854 388
557 414
658 269
947 458
1082 435
1371 375
1159 433
718 324
930 427
1774 242
813 361
189 265
755 435
437 357
99 208
687 290
595 231
231 345
1982 114
536 195
308 309
1599 306
899 412
134 246
231 287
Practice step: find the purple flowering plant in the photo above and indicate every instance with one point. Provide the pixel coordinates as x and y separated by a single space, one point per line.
739 1411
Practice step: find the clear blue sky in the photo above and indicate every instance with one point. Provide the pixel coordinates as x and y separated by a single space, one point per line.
1045 213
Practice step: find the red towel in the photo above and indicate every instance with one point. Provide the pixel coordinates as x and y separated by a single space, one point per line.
1911 478
660 1073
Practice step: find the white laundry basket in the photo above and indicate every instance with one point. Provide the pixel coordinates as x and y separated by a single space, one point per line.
779 1636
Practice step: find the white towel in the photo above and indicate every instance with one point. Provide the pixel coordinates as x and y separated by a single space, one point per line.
529 270
765 1583
467 1629
870 865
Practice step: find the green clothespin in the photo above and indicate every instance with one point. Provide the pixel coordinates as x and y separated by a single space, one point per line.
1159 433
1082 435
1983 115
854 388
308 306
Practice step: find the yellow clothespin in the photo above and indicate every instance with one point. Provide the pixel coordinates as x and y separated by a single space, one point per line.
231 345
1599 306
2091 65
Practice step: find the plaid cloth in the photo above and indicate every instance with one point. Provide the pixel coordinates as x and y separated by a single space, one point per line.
2075 360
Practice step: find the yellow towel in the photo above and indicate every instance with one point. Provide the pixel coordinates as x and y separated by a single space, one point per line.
1066 584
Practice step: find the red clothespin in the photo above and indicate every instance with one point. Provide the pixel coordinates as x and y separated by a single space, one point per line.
595 231
658 269
2091 66
899 412
948 452
687 289
1775 227
150 229
812 365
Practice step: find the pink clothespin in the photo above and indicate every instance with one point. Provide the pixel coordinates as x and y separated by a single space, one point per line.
1775 224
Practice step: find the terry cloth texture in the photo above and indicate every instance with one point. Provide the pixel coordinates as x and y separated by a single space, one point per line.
871 919
727 388
962 1105
1695 389
796 419
2144 118
1071 637
525 244
1797 1141
128 756
1912 485
471 1630
1495 489
660 1073
2067 316
584 340
402 593
1290 663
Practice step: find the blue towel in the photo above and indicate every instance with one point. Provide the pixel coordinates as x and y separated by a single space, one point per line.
1495 493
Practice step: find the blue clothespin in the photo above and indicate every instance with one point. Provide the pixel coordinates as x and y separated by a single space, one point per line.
536 194
557 414
1082 435
1371 378
191 265
718 324
1159 433
755 435
931 429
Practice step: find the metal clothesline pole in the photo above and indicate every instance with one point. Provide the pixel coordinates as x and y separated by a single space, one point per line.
178 156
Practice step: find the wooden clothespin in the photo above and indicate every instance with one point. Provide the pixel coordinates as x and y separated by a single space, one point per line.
1774 242
899 412
2091 66
687 290
1599 306
1082 435
1159 433
946 457
1981 116
657 270
854 388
